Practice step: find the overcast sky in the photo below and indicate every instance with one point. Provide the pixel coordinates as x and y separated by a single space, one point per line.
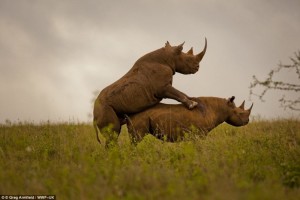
55 54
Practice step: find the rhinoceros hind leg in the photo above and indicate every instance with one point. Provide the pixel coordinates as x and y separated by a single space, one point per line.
137 129
108 123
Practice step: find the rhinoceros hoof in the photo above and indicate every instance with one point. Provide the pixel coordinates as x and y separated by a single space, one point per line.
193 104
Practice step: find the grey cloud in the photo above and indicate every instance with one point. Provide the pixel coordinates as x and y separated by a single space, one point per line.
54 54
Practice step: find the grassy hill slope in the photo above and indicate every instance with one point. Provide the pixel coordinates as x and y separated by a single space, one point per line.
258 161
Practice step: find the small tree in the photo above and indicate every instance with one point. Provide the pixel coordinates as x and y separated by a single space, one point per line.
270 84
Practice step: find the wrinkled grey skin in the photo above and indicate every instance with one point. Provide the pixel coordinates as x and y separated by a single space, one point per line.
171 122
143 86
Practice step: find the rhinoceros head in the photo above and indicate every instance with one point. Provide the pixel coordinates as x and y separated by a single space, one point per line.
238 116
186 63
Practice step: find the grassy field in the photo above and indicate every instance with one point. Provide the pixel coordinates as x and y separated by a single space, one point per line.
258 161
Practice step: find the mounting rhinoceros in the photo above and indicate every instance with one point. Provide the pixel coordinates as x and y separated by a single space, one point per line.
143 86
171 122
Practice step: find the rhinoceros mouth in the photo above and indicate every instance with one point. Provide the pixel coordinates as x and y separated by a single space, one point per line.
247 121
196 68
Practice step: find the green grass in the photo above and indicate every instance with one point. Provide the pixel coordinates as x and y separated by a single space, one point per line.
258 161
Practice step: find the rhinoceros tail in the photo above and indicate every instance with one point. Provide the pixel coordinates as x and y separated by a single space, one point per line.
97 132
128 120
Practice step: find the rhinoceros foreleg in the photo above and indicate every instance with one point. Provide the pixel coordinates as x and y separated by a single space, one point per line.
172 93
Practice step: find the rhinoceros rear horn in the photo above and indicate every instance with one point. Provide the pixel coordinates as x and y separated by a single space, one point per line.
242 105
190 52
200 55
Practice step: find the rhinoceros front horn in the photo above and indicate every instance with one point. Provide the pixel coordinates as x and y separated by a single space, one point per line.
249 110
200 55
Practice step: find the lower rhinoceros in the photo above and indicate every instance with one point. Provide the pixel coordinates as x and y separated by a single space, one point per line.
172 122
143 86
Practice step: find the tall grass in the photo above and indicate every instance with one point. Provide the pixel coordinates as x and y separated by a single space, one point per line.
258 161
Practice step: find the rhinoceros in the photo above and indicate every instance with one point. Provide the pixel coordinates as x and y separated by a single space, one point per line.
172 122
143 86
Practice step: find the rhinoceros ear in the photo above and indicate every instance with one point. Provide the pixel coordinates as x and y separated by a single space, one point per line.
190 52
179 48
167 45
231 99
230 102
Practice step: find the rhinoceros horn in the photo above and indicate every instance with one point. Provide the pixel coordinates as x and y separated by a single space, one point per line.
190 52
242 105
249 110
201 54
